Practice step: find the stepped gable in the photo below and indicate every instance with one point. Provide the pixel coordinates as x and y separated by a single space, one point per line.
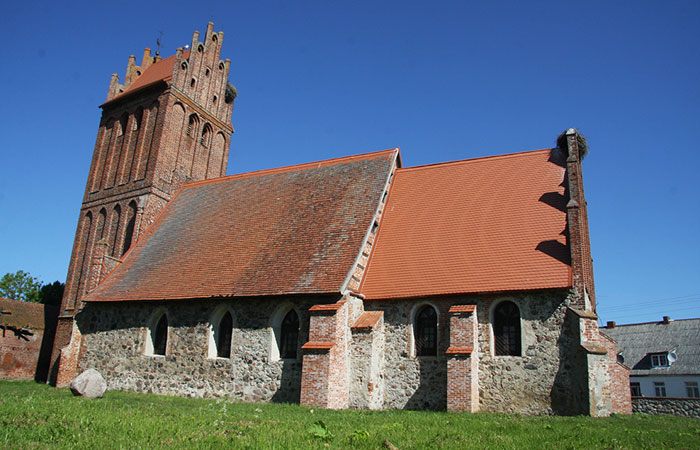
293 230
491 224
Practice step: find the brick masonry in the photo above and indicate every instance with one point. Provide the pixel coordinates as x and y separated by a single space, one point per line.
26 337
147 146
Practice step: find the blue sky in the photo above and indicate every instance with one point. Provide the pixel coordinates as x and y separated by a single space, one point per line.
442 80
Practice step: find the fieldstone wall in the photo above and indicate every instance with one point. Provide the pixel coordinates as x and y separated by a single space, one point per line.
548 378
114 337
686 407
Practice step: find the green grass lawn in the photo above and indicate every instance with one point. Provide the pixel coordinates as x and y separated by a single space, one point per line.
38 416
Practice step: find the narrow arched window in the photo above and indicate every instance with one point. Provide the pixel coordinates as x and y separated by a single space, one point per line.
206 136
289 334
160 336
223 338
506 329
138 116
425 330
192 125
131 222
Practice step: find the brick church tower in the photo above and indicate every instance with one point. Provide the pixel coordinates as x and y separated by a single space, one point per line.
167 124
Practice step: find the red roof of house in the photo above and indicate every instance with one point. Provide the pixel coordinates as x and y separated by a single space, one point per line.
293 230
482 225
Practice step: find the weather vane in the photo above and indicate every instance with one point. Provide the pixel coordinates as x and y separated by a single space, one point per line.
160 36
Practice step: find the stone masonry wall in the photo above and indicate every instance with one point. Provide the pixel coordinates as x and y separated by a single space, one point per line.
538 382
687 407
114 337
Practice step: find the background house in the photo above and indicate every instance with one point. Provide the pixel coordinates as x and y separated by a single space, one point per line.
663 357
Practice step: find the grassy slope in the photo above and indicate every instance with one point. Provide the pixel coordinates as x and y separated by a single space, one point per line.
37 416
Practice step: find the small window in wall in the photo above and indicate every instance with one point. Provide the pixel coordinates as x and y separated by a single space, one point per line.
659 389
659 360
425 331
206 136
691 389
223 336
289 335
159 336
635 390
192 125
506 329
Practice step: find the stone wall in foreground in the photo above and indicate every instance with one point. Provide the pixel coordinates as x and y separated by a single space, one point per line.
538 382
114 343
687 407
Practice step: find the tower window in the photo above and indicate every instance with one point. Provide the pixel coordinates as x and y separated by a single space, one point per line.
425 331
193 82
192 125
214 99
206 136
223 338
506 329
207 72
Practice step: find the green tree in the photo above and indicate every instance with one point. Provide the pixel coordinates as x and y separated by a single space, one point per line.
51 294
20 286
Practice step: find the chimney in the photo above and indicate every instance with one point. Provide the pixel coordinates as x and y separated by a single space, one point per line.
611 324
666 320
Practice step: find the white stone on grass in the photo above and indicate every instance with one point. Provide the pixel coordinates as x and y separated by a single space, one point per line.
89 384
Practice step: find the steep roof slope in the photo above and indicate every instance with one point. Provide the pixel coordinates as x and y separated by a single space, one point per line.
481 225
294 230
638 341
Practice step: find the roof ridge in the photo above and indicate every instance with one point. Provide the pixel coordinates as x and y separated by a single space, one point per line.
294 167
480 158
648 323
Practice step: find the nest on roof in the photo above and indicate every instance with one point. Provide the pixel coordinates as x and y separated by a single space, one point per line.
231 93
581 140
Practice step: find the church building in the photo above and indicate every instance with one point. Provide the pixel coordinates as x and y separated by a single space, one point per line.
353 282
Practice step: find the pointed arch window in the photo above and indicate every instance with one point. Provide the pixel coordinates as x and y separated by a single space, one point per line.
506 329
223 337
206 136
129 232
289 335
160 336
192 123
425 329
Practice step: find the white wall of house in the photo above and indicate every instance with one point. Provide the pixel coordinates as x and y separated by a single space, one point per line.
675 385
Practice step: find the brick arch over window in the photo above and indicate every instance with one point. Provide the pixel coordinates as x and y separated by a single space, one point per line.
205 139
507 333
192 125
425 331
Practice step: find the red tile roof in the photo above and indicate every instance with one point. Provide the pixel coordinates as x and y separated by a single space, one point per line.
293 230
483 225
367 320
158 71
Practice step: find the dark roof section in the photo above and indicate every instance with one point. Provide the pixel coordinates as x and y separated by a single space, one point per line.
293 230
638 341
18 314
